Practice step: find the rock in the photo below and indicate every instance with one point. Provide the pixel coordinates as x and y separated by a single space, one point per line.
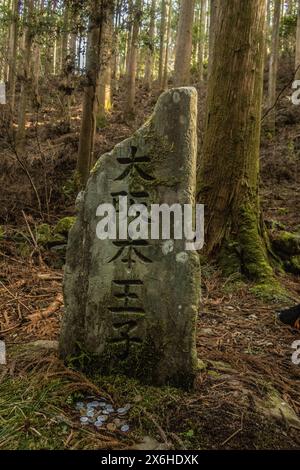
131 305
286 243
275 407
148 443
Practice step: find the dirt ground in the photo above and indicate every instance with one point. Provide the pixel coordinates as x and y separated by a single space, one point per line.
246 395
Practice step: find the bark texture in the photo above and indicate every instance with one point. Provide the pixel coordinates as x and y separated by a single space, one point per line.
184 43
228 177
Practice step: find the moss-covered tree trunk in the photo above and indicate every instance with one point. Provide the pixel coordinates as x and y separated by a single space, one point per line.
229 171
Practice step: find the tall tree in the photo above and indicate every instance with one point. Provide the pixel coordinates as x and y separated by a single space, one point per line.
104 90
12 53
99 15
150 45
131 79
26 76
162 42
166 62
229 170
184 43
65 33
273 64
201 38
214 4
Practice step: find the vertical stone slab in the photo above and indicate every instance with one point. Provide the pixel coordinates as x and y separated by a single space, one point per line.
131 305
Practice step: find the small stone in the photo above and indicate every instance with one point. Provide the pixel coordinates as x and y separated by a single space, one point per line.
95 404
121 411
79 405
125 428
98 424
90 413
102 418
84 420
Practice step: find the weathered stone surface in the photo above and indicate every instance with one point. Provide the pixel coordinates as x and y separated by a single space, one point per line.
131 306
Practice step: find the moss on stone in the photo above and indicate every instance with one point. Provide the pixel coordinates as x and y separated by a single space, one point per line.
140 362
293 264
286 243
270 291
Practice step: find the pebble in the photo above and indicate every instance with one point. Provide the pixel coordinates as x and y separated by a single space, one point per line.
79 405
84 420
102 418
125 428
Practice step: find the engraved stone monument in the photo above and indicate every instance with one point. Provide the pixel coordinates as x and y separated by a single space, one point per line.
131 304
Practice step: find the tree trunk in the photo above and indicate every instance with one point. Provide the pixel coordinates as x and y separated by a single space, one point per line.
26 78
129 104
150 44
116 69
229 171
201 39
104 90
65 34
162 38
297 57
12 54
184 43
214 4
98 17
129 36
273 65
166 71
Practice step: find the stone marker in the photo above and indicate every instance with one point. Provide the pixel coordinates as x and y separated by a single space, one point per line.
131 305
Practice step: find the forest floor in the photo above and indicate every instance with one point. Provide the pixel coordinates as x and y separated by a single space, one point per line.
246 395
